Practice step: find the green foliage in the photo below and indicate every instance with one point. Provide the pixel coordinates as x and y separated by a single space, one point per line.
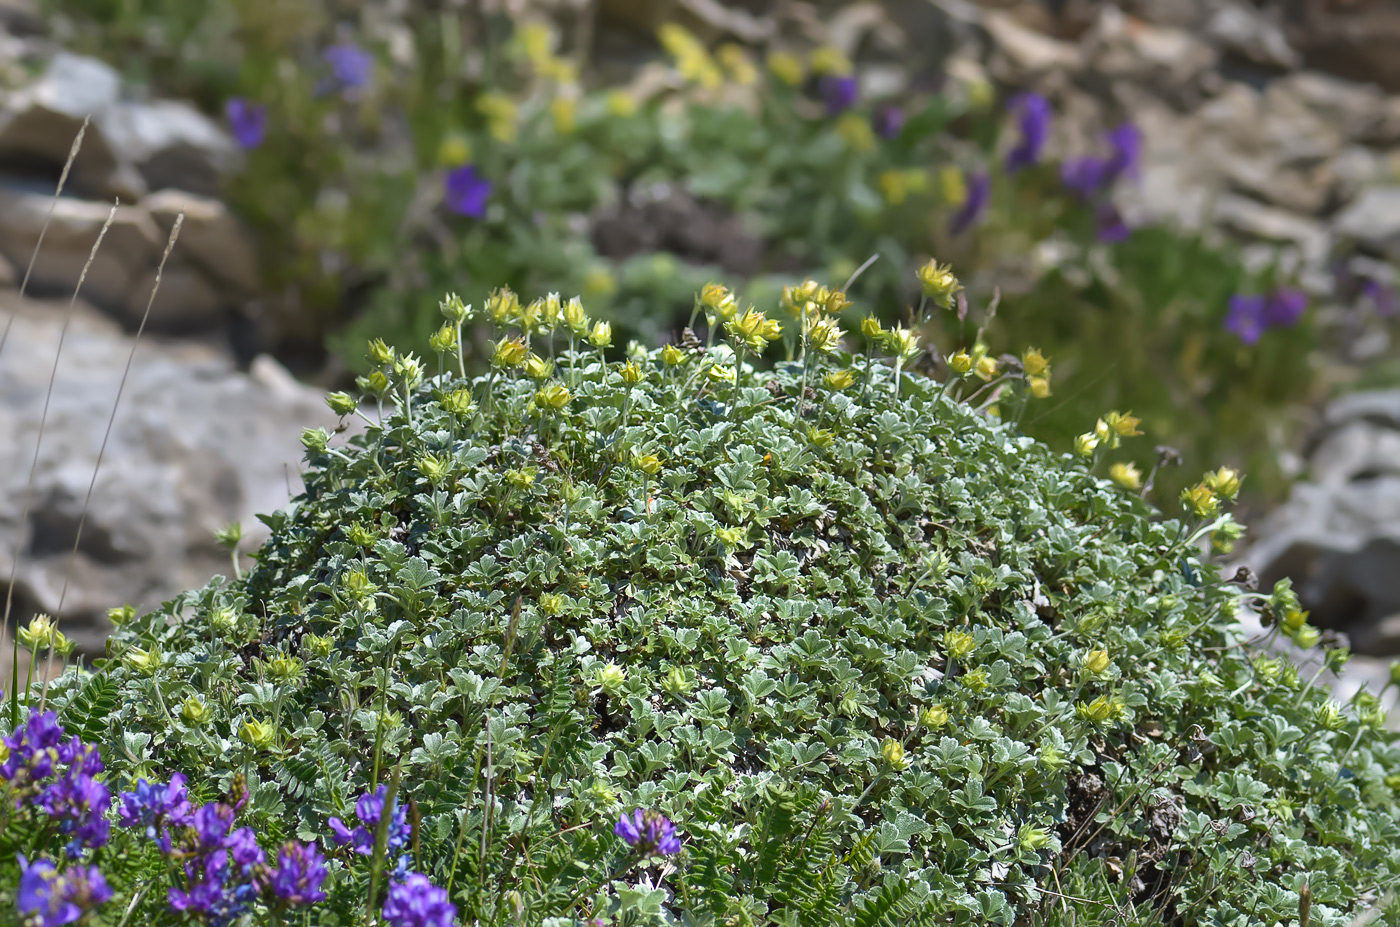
882 658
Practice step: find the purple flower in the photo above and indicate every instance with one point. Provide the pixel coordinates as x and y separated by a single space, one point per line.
1245 317
1084 176
648 832
247 121
888 121
369 808
78 801
157 808
33 748
979 192
1034 112
1285 307
1382 298
840 94
212 823
351 66
298 876
1111 227
467 191
50 898
417 902
1125 141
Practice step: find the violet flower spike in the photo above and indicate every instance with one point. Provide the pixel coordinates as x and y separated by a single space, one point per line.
297 878
247 121
1035 116
979 193
467 192
840 93
648 832
1285 307
1246 317
417 902
51 899
351 66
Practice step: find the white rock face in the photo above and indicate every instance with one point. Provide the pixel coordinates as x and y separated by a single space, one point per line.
196 445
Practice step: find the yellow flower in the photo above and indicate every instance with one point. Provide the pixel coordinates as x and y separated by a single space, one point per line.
510 352
938 283
716 299
857 132
1100 709
829 61
522 478
454 150
980 93
1123 424
500 113
738 63
194 711
892 752
1039 386
611 678
631 373
1126 475
840 379
720 374
380 353
1034 363
649 464
564 111
552 604
621 104
444 339
433 468
260 734
575 317
892 185
143 661
600 336
503 306
900 342
1224 482
692 59
536 367
753 330
39 634
555 396
870 327
953 186
122 615
959 644
933 717
960 363
824 335
1086 444
458 402
786 67
986 367
671 355
1096 662
535 40
1201 501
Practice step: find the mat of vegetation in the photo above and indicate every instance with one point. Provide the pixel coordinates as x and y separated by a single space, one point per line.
878 656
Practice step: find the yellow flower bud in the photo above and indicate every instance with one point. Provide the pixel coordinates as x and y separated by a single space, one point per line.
510 352
828 60
600 336
564 111
960 363
611 678
649 464
985 368
503 306
434 469
1123 424
952 186
671 355
194 711
380 353
1034 363
1086 444
938 283
840 379
1201 501
933 717
554 396
892 752
1126 475
716 299
1224 482
536 367
143 661
824 335
342 403
720 374
39 634
1039 386
621 104
458 402
259 734
737 62
521 478
870 327
631 373
122 615
444 339
1096 662
575 317
454 310
959 644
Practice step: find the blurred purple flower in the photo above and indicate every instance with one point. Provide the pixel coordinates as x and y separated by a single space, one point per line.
1245 317
888 121
1382 297
1035 114
840 94
1111 226
1126 143
51 899
1285 307
979 193
417 902
467 191
157 808
648 832
1084 176
351 66
247 120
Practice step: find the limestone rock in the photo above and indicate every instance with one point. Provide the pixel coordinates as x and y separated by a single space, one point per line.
171 143
211 237
196 445
40 121
1246 31
1373 221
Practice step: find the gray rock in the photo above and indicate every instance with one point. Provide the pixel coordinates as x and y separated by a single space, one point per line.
1256 220
171 143
186 301
1247 32
1171 63
212 237
1360 112
1373 221
9 276
1023 57
196 445
1379 407
41 120
132 244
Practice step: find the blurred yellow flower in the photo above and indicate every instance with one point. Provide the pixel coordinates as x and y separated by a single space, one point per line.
500 112
738 63
564 111
786 67
454 150
829 61
952 185
857 132
621 104
1126 475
